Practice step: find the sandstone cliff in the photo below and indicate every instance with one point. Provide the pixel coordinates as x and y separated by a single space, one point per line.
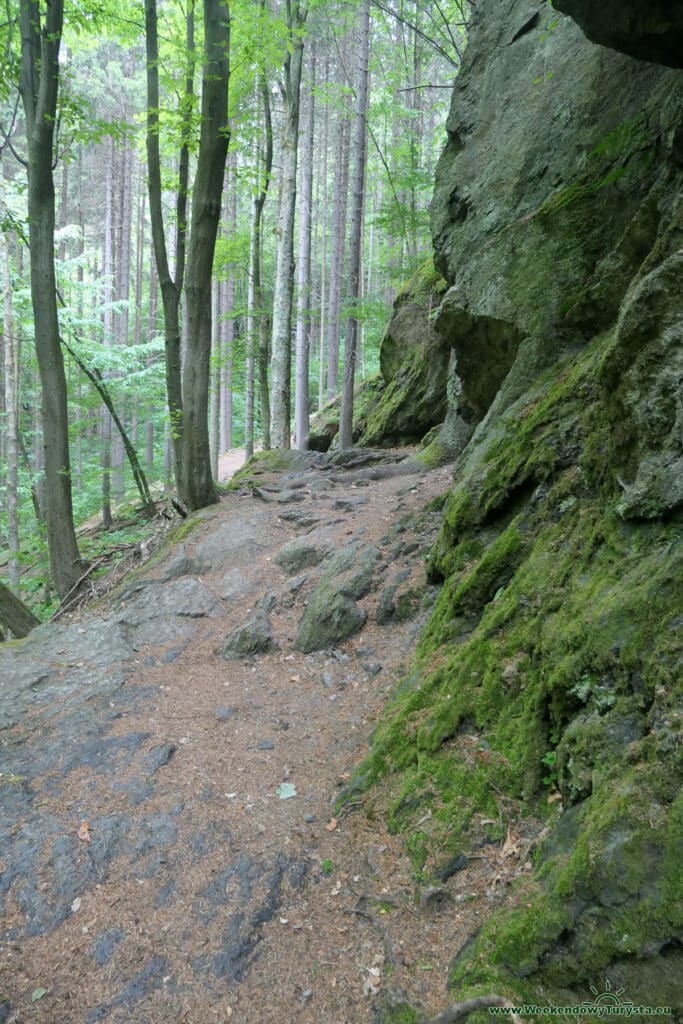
547 685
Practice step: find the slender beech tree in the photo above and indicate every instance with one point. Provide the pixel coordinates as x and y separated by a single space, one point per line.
281 358
303 300
171 285
341 176
107 322
257 328
195 483
39 86
355 247
257 267
11 408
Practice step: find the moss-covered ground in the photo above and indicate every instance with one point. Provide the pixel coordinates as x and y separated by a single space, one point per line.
548 683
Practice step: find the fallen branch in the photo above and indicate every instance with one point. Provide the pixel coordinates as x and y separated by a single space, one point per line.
459 1011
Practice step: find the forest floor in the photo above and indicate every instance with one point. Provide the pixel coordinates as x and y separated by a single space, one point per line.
153 869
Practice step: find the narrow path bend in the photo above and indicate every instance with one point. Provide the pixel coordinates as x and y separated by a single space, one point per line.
151 869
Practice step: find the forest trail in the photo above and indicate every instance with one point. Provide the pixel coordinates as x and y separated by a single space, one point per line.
229 462
168 850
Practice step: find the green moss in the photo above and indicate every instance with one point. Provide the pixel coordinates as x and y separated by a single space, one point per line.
425 281
271 461
551 658
402 1013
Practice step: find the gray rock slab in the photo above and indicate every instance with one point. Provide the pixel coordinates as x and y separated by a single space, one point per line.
302 553
254 637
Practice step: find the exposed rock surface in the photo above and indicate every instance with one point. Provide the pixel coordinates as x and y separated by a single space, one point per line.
650 31
301 553
549 676
332 614
254 637
561 168
414 365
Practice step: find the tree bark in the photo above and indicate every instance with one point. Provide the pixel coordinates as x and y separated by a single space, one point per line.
39 84
355 247
257 269
11 408
121 294
170 286
281 356
196 487
108 320
303 301
14 614
341 173
216 396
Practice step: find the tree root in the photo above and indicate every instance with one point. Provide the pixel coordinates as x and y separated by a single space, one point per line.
459 1011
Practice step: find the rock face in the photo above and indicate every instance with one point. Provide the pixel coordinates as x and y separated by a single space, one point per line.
409 397
332 614
651 31
554 646
559 172
414 365
325 424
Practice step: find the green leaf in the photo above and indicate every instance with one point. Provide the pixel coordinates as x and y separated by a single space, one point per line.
37 994
286 790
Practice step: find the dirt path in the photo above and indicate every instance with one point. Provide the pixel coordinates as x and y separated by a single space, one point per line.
229 463
151 869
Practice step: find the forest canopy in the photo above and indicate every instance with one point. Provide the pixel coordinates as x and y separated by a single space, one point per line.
206 210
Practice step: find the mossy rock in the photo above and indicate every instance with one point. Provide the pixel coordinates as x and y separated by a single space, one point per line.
325 424
551 665
271 461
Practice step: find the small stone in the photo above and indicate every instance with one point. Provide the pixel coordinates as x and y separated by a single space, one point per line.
222 714
265 745
373 668
297 582
310 819
254 637
328 680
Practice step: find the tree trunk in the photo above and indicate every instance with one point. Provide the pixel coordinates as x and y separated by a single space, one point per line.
11 408
39 85
108 320
151 333
14 614
359 150
281 356
196 486
257 268
341 174
214 437
303 302
121 294
171 287
226 326
323 262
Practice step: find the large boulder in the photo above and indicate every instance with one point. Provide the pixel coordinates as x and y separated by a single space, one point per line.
332 614
548 680
325 423
560 167
414 364
649 31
